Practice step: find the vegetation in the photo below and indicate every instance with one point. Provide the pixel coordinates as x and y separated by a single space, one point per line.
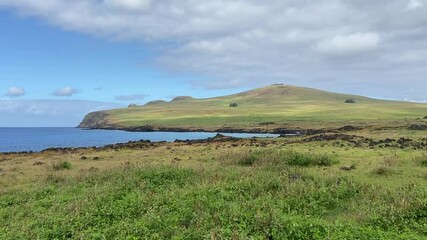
350 101
276 158
286 188
63 165
299 187
284 105
233 104
422 160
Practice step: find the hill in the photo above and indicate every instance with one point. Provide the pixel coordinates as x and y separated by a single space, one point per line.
277 105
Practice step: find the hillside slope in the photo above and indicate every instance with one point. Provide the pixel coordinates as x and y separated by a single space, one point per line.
263 106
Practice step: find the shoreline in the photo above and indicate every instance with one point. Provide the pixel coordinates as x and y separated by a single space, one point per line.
217 137
279 131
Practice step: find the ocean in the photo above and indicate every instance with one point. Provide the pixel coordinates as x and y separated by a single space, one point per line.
37 139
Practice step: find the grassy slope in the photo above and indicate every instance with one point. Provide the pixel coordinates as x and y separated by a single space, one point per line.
270 104
212 191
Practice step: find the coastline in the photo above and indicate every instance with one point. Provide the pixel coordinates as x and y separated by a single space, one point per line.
280 131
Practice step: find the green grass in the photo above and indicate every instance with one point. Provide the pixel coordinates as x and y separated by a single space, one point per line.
63 165
277 158
278 104
283 188
238 203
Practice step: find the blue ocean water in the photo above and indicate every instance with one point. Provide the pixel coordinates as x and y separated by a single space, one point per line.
37 139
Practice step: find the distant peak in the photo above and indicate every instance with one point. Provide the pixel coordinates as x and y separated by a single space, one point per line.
155 102
182 98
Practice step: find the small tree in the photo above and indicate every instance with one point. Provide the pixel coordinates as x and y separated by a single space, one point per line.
350 101
233 104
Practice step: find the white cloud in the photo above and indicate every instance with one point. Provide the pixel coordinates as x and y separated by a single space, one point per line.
65 92
414 5
131 97
134 5
48 112
221 84
351 44
15 92
261 42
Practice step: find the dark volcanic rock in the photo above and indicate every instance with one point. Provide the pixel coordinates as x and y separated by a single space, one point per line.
419 127
349 128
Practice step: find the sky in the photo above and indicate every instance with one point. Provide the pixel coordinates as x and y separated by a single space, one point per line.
61 59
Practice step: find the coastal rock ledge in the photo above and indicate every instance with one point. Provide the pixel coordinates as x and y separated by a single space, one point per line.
95 120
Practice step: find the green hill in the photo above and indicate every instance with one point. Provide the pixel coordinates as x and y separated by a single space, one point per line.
276 104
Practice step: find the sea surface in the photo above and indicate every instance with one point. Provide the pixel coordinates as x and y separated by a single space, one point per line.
37 139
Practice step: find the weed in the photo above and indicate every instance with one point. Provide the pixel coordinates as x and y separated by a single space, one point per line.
277 157
421 160
390 161
53 178
382 171
309 159
63 165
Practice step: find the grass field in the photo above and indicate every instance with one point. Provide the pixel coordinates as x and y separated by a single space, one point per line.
281 106
365 181
285 188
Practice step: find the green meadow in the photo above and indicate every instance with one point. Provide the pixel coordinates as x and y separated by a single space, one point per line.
281 106
367 180
286 188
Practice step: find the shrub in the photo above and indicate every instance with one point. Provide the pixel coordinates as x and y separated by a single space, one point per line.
382 171
248 160
350 101
63 165
233 104
276 158
307 159
55 179
421 160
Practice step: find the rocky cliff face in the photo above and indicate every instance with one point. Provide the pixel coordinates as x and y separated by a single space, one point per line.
95 120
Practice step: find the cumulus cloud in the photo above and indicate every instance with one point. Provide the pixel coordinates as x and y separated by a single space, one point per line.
134 5
342 45
53 113
65 92
414 4
336 43
15 92
133 97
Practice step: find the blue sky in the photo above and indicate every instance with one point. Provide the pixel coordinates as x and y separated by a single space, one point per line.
41 58
61 59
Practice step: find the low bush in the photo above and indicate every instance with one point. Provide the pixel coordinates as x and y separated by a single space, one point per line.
421 160
233 104
350 101
277 157
309 159
63 165
382 171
